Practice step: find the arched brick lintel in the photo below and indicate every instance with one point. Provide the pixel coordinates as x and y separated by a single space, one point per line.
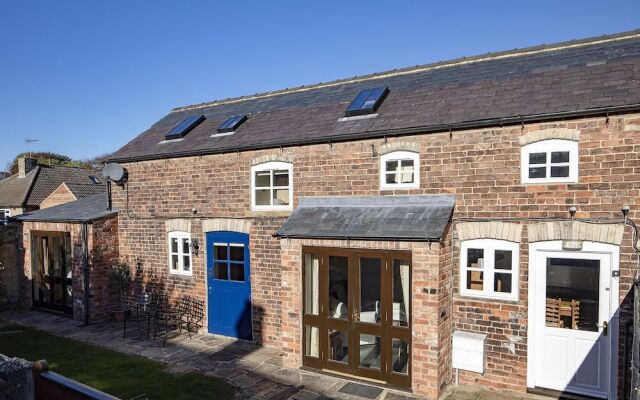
548 134
576 231
489 230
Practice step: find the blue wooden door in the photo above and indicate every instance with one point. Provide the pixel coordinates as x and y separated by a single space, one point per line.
229 284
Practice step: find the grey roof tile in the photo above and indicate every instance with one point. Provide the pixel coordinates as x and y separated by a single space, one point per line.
50 177
601 72
84 210
420 218
14 190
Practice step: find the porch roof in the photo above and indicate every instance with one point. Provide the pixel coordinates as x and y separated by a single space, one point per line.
89 209
411 218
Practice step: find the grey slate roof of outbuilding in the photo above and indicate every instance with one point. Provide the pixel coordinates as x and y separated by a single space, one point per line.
84 210
420 218
578 76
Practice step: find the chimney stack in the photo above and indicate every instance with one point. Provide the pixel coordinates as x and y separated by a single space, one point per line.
26 165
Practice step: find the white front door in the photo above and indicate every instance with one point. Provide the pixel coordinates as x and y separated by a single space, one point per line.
572 338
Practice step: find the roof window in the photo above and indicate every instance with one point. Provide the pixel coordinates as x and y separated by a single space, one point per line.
232 123
184 127
367 101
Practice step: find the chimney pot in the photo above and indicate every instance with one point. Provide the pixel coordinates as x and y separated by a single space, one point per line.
26 165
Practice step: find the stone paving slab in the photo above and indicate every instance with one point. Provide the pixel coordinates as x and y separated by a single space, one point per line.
255 371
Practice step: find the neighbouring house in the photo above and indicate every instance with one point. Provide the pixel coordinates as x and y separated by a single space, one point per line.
40 186
453 221
68 250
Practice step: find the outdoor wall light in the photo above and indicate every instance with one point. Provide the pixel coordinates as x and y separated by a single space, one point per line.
572 212
195 246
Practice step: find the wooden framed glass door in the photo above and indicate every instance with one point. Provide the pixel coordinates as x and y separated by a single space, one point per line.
52 271
356 317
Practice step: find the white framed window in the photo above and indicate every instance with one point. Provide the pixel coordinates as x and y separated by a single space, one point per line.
400 170
180 253
489 269
272 186
549 161
4 213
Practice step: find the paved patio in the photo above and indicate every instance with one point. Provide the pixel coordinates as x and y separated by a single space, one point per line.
255 371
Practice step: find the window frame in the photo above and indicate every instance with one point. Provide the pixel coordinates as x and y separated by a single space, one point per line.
7 214
399 156
272 166
550 146
489 246
180 236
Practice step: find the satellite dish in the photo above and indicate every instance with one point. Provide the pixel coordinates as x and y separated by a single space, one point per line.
114 172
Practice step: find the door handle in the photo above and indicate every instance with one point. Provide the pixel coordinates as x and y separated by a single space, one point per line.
355 316
605 328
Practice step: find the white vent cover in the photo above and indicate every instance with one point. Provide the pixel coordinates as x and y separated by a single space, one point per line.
468 351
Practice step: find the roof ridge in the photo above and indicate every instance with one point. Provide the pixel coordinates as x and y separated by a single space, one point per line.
542 48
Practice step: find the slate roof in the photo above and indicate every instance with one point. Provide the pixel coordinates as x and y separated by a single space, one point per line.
420 218
39 183
14 190
593 75
84 210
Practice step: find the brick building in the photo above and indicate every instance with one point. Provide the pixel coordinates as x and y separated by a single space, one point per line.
67 251
410 227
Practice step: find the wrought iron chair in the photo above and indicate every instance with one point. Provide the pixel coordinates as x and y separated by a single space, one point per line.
193 321
143 310
170 318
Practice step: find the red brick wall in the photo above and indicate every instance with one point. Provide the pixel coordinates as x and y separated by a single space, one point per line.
103 253
480 167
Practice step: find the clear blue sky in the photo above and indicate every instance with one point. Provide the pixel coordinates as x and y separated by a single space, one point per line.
85 77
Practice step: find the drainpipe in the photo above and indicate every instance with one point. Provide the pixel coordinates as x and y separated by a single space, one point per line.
85 269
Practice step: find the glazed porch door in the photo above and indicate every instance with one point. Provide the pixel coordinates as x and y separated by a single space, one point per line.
51 271
356 318
573 339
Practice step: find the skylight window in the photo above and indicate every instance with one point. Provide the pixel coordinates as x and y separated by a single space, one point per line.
94 180
184 127
367 101
232 123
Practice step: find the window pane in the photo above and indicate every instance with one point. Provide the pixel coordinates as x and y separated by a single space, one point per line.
237 272
185 246
401 292
407 171
538 172
220 271
263 197
311 284
186 263
174 245
174 262
475 258
339 346
400 356
503 259
475 280
237 253
338 287
281 178
312 341
502 283
220 252
280 197
392 178
370 351
370 282
559 156
263 178
573 294
537 158
560 172
392 166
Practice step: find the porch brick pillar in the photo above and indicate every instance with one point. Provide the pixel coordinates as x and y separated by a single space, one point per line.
291 329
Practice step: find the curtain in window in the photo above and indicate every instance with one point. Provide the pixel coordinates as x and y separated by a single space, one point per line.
312 300
405 281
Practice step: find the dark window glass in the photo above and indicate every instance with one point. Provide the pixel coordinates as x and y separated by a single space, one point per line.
370 284
391 178
237 272
502 283
559 156
220 271
281 178
220 252
263 178
338 287
370 351
392 166
537 158
538 172
559 172
399 356
475 280
503 259
237 253
339 346
475 260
